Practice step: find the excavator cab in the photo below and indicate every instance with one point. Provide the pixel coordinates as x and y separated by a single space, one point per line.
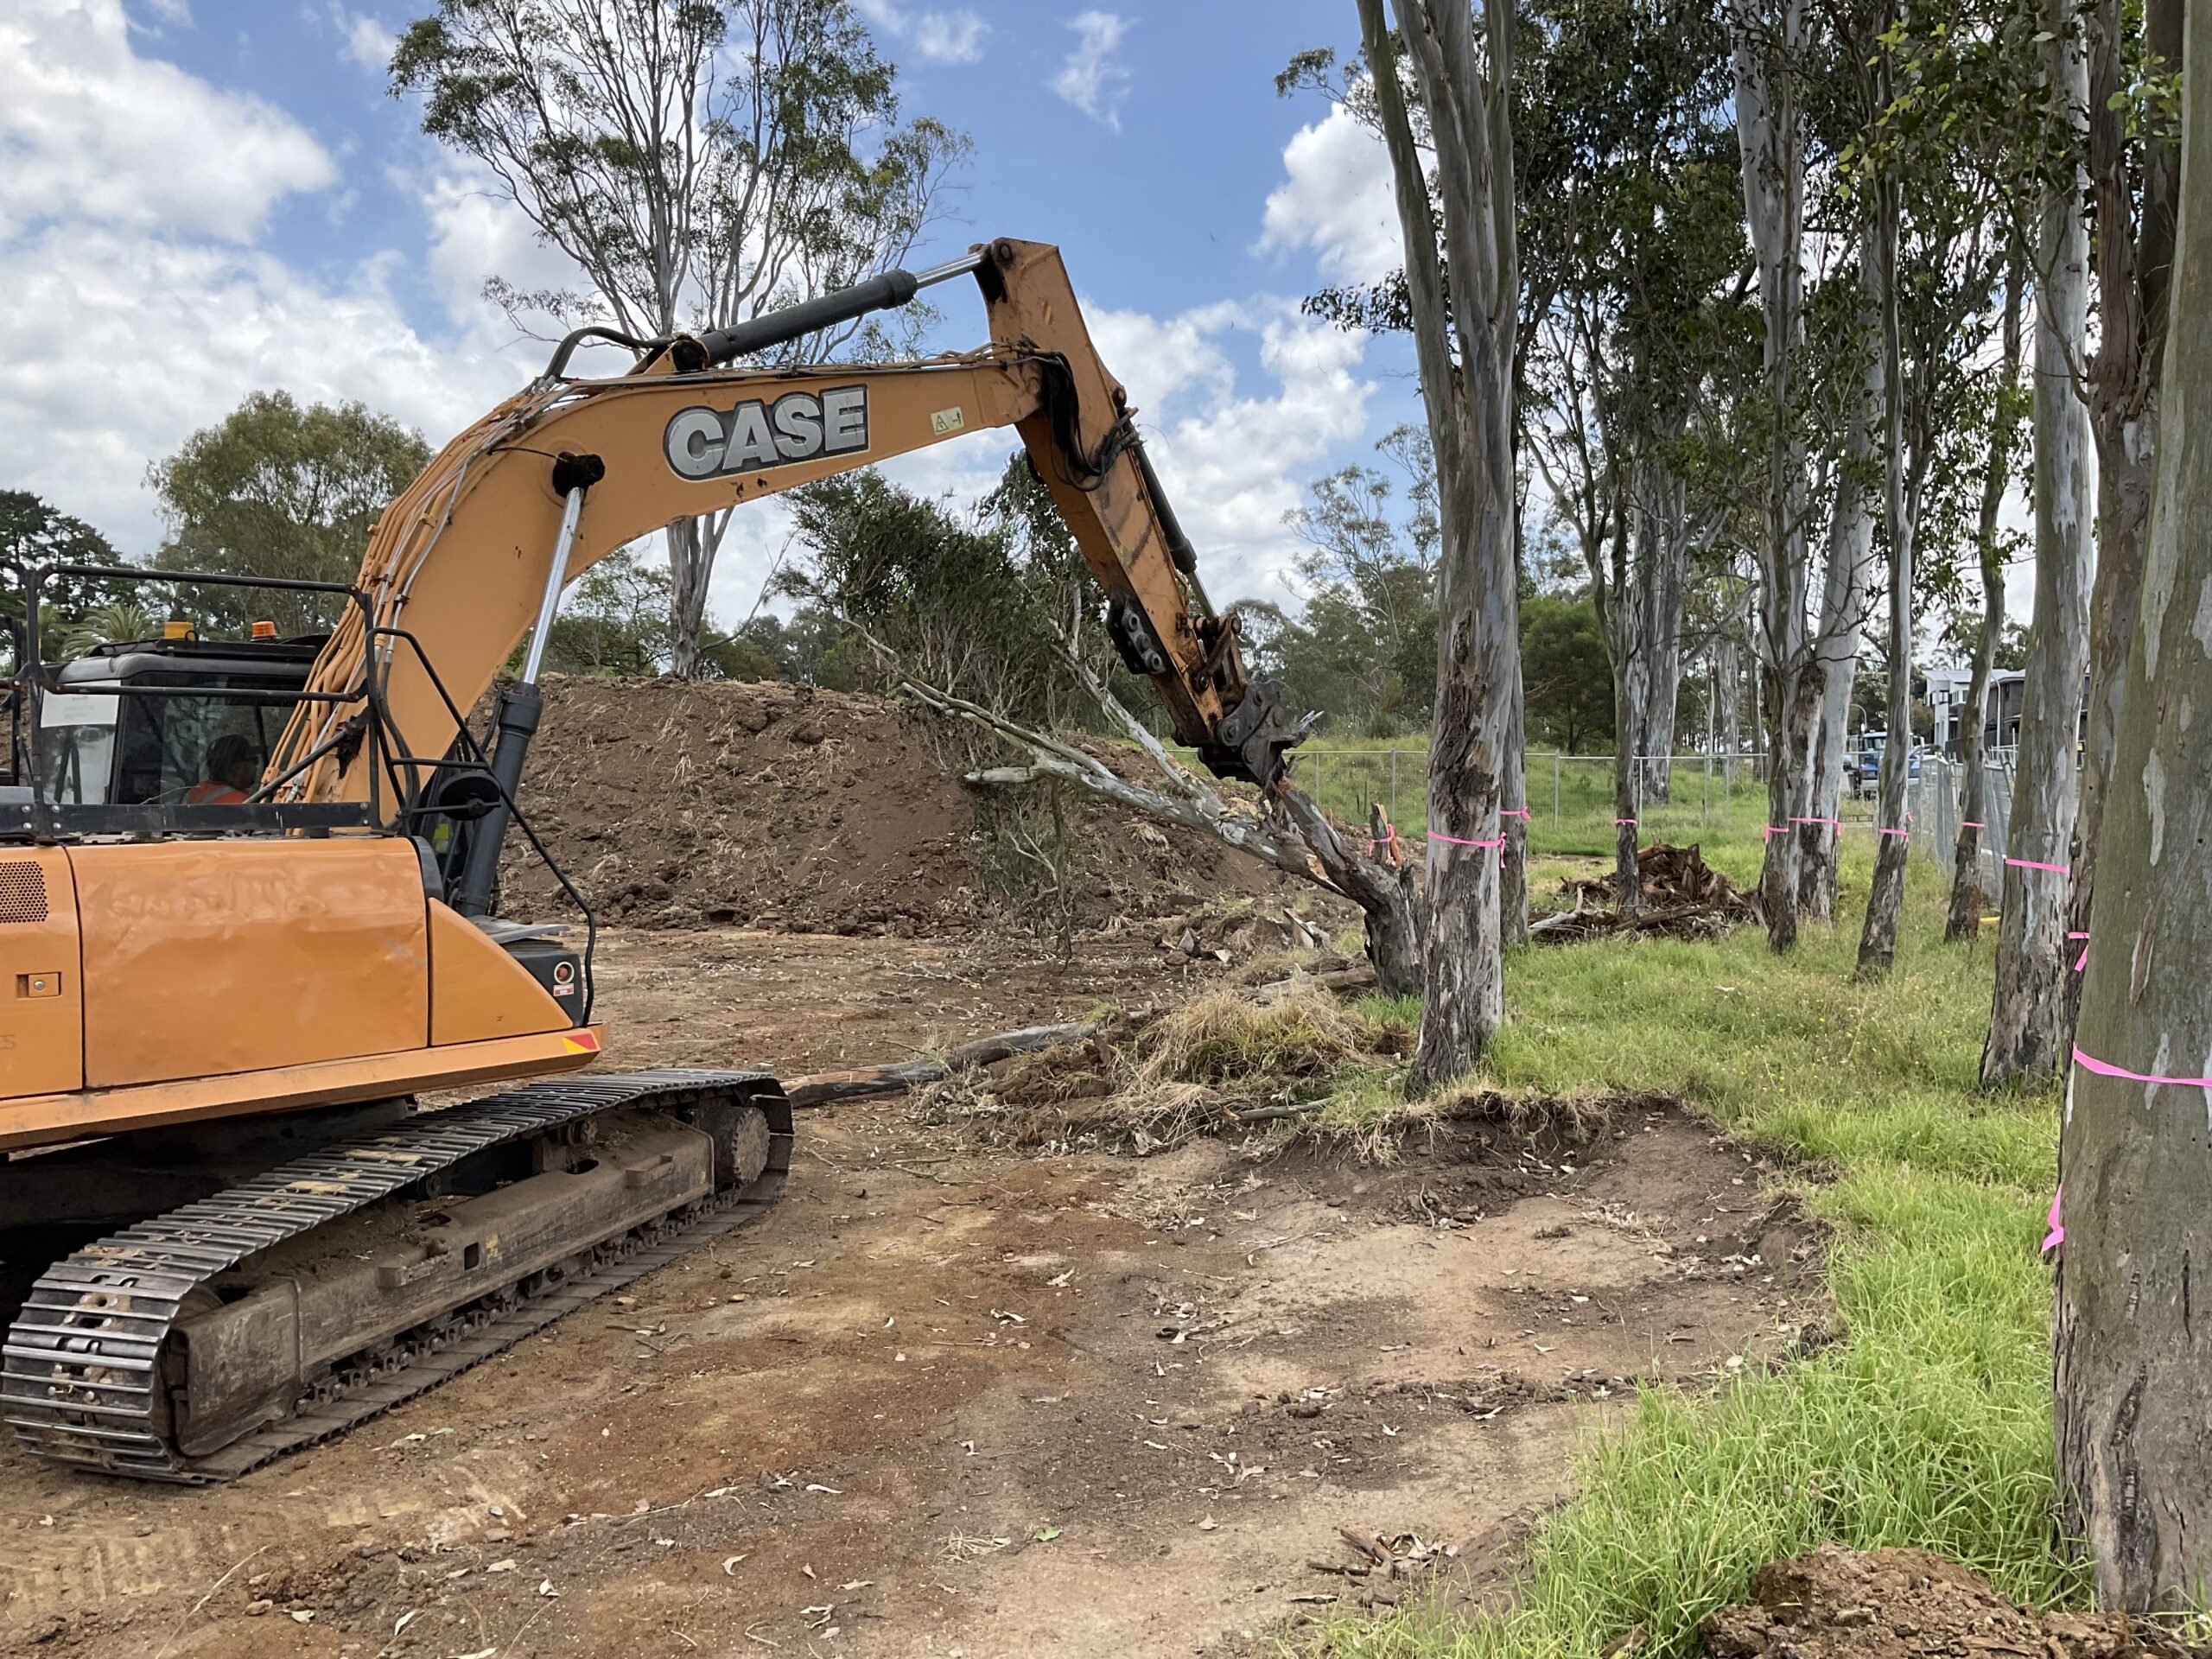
173 894
98 745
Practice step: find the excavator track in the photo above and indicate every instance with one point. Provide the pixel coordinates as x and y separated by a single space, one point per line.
81 1383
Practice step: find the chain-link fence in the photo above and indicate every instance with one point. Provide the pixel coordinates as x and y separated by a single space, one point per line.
1934 796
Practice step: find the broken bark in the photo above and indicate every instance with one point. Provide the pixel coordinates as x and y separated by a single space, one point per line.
1768 42
1468 396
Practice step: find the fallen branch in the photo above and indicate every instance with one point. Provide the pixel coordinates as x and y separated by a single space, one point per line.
1292 834
1560 919
820 1088
1270 1114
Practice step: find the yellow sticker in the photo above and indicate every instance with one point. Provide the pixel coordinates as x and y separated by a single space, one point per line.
947 420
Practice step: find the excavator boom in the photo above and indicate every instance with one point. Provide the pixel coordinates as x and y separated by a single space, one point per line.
463 560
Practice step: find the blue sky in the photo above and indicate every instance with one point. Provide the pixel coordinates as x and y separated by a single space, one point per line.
202 197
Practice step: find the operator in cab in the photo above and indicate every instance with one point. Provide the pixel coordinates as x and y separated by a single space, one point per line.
233 770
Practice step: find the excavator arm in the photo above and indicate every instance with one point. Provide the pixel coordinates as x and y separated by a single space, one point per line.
473 553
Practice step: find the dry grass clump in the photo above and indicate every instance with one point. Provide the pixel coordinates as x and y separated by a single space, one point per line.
1155 1080
1228 1037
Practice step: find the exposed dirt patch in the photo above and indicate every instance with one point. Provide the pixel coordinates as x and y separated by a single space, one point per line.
946 1397
1907 1603
674 804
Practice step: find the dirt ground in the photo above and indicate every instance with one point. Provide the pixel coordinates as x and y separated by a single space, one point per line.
948 1402
1908 1603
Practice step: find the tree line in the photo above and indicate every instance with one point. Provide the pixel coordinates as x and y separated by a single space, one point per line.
1792 294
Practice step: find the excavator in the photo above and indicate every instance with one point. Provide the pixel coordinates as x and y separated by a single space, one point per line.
244 1212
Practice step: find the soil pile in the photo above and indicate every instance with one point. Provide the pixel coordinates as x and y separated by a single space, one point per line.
673 804
1907 1603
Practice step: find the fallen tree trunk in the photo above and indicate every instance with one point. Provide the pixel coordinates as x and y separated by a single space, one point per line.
820 1088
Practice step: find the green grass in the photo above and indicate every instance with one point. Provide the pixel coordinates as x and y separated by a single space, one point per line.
1570 798
1929 1424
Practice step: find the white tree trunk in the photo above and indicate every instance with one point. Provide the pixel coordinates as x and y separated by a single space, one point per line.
1964 921
1843 606
2028 1008
1878 937
1469 402
1663 562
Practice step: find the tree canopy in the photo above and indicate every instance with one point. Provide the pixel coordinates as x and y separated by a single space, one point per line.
279 489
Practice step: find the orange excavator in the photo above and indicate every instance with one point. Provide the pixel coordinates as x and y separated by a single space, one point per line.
235 1227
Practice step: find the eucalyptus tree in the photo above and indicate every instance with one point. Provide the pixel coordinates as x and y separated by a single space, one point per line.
2134 167
2028 1004
1934 162
697 162
1770 45
1991 544
2133 1393
1635 243
1464 340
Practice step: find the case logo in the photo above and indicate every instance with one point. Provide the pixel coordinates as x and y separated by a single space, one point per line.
703 443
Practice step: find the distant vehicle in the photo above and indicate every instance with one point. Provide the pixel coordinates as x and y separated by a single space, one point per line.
1862 768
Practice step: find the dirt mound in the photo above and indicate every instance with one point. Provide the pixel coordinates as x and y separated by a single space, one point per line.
672 804
1906 1604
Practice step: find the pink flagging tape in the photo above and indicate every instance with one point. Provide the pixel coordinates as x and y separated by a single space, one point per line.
1892 832
1631 822
1376 848
2104 1069
1838 822
2057 1236
1461 840
1972 823
2084 961
1772 829
1512 812
2033 864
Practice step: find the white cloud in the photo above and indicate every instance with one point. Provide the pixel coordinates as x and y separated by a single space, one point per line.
131 194
953 36
203 323
1336 199
93 133
1237 462
1094 78
365 40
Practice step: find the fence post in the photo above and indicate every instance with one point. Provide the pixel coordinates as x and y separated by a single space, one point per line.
1555 789
1394 786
